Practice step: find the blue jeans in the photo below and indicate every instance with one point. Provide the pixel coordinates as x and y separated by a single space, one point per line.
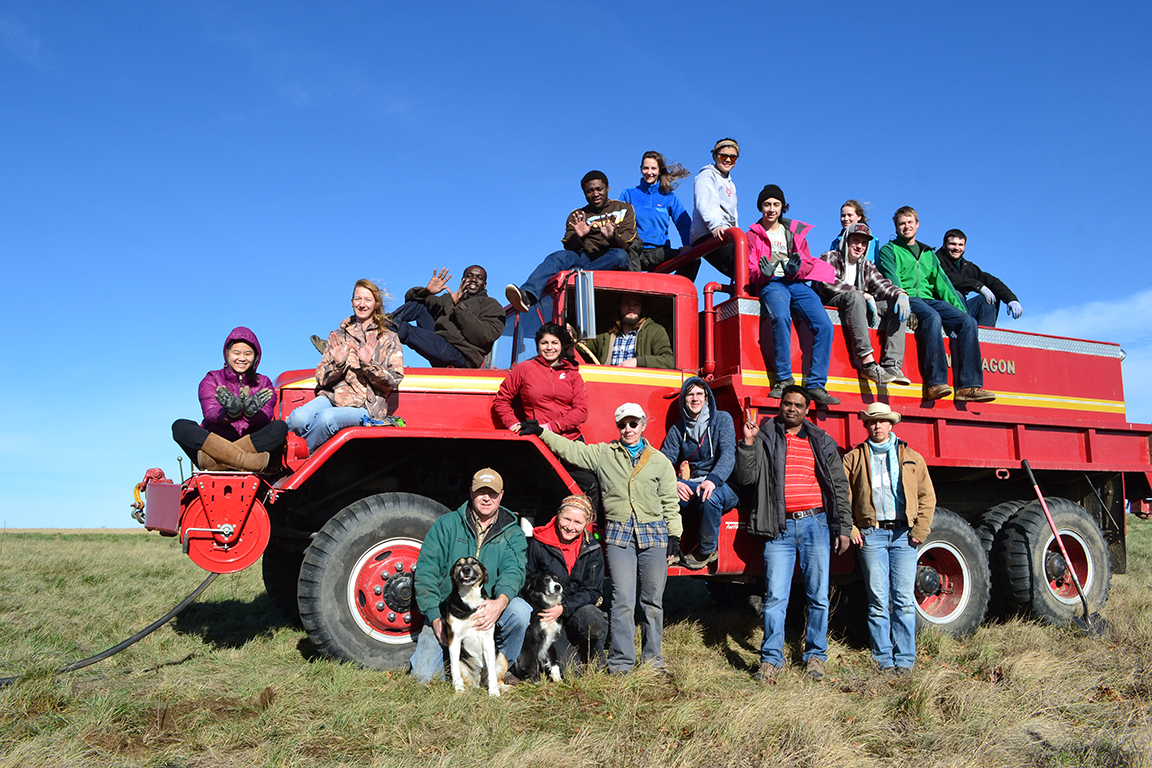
318 420
613 258
423 338
430 659
629 565
984 313
935 319
888 559
808 540
779 297
721 500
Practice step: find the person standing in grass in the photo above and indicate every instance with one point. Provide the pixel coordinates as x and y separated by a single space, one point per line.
892 506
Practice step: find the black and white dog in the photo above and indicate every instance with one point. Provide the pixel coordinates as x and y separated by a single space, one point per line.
538 655
471 653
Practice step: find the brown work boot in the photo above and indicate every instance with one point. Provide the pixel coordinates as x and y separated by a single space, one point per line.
975 395
937 391
815 668
228 454
767 673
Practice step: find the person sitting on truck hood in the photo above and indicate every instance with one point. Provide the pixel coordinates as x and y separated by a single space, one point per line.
363 364
982 292
451 329
656 207
601 235
238 431
864 296
702 446
893 502
634 341
483 529
939 310
714 209
780 267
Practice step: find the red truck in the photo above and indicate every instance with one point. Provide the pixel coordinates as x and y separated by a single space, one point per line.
339 531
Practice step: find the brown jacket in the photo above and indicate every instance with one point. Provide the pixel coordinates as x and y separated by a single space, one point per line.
919 495
354 383
595 243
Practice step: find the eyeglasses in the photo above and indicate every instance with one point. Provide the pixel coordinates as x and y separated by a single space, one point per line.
632 424
726 157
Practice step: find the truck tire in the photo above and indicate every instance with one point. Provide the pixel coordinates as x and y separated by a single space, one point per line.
357 600
1033 572
281 569
952 577
988 529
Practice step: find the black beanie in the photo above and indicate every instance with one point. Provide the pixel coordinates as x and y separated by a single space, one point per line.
770 191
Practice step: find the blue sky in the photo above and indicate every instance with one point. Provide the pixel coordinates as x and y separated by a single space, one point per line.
172 170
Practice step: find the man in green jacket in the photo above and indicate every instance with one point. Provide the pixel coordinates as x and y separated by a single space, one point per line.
914 268
635 341
479 528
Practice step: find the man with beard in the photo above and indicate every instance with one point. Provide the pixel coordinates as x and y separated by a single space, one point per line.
982 292
634 341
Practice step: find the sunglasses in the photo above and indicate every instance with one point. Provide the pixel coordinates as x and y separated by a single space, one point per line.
633 423
727 158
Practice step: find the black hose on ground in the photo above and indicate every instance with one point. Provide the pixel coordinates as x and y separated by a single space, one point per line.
131 640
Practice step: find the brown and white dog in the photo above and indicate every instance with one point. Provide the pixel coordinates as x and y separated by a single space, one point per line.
471 653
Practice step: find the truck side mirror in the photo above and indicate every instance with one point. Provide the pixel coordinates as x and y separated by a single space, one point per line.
585 305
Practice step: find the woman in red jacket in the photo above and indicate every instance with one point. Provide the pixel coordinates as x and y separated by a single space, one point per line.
550 394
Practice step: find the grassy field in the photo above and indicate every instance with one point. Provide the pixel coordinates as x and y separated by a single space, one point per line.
227 684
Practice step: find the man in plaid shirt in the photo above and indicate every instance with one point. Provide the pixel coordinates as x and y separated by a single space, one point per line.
635 341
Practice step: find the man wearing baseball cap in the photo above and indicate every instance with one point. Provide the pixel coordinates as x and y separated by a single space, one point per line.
479 528
638 491
892 506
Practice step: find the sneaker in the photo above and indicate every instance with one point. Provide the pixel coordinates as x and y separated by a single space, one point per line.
777 391
902 671
821 396
520 301
975 395
815 668
873 372
696 562
896 376
937 391
320 344
767 673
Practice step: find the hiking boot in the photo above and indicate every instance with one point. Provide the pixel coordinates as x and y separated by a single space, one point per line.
975 395
902 671
873 372
821 396
778 391
696 562
520 300
896 376
937 391
815 668
767 673
320 344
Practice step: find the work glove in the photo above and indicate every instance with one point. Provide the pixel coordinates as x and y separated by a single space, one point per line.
903 310
1015 310
673 548
766 267
254 403
229 402
530 427
988 295
872 313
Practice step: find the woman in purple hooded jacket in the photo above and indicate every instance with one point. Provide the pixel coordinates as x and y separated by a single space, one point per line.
238 431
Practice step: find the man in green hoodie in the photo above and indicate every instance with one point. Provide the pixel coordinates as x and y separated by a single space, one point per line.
913 267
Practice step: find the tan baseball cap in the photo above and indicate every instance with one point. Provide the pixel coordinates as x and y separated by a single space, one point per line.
488 478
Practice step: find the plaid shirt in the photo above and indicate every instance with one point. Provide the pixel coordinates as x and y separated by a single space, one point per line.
646 535
624 348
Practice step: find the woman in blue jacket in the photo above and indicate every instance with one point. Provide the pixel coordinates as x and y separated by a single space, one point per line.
656 207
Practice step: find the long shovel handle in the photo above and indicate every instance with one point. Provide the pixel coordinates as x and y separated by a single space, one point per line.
1056 533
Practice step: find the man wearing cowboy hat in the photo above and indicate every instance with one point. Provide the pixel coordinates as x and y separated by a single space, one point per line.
892 505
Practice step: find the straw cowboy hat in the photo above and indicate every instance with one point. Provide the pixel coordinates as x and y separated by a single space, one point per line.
879 412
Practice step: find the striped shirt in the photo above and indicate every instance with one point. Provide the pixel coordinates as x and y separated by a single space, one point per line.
801 489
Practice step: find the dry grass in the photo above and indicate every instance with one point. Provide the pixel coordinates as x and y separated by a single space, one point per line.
227 685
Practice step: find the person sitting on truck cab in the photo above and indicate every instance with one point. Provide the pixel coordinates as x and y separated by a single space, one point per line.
601 235
656 207
714 209
780 267
238 431
454 329
483 529
913 267
702 448
982 292
865 296
893 502
634 341
363 364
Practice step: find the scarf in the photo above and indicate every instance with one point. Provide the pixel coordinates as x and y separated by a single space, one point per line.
547 534
885 478
695 428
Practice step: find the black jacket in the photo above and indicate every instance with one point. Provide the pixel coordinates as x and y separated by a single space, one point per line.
762 464
585 585
472 326
966 277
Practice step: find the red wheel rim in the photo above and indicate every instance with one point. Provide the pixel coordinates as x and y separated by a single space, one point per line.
220 553
380 594
952 569
1079 559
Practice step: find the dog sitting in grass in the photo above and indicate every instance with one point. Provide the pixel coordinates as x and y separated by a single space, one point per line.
538 655
471 652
